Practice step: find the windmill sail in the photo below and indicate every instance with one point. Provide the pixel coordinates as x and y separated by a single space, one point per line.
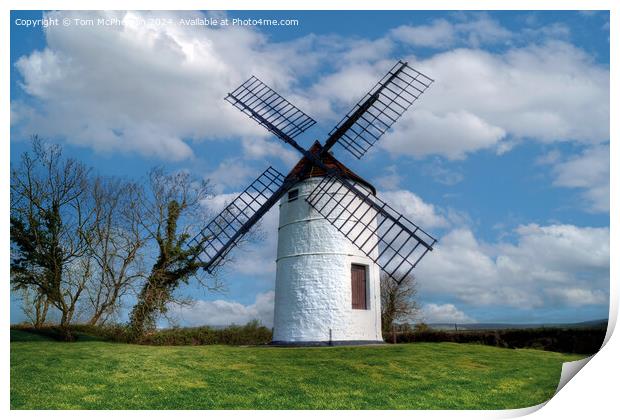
226 229
393 242
376 112
387 237
265 106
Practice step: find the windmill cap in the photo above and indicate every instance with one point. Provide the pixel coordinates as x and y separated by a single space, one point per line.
302 172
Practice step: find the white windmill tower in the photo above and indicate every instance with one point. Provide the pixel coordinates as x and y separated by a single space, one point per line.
327 289
334 234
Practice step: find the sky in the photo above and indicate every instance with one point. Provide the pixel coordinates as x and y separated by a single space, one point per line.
505 159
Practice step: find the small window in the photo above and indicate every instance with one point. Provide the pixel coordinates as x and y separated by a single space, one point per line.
292 195
358 286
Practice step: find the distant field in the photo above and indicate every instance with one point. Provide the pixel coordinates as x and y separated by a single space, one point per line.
101 375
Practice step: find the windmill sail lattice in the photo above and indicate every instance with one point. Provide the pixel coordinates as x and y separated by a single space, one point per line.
376 112
226 229
361 217
269 109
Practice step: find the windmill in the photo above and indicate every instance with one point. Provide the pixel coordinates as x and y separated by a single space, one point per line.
334 233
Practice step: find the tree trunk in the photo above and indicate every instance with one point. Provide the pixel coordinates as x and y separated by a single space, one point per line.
95 318
65 328
99 311
41 305
143 314
101 308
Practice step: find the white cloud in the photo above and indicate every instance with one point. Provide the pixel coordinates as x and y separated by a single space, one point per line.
414 208
223 312
578 297
549 158
217 202
424 214
363 50
483 30
453 134
390 180
348 85
481 100
551 92
560 251
231 173
440 33
259 148
548 265
445 313
443 34
149 89
588 171
554 30
155 89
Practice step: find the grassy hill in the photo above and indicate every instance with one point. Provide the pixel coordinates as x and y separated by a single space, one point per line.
103 375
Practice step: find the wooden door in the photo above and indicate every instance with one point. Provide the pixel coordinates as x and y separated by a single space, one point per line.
358 286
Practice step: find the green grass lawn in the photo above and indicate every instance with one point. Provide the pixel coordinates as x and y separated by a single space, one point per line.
102 375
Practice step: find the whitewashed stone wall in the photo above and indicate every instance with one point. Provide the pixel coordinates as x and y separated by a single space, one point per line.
313 280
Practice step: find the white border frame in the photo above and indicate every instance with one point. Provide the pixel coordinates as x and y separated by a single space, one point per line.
592 394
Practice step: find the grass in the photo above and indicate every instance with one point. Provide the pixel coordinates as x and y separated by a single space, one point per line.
102 375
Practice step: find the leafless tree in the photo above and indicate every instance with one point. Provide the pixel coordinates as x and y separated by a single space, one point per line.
398 301
172 211
50 227
82 242
35 306
115 246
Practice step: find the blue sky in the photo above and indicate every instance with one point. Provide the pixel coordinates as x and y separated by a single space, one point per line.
505 158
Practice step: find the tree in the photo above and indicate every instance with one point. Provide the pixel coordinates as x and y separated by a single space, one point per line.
79 241
35 305
50 227
398 300
34 302
115 247
172 207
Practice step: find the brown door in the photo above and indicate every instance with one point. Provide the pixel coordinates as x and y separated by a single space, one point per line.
358 286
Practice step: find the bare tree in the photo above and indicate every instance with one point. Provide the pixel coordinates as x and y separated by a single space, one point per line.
115 247
35 306
398 301
82 242
172 209
50 227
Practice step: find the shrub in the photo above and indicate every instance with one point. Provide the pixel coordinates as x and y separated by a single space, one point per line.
252 333
53 332
564 340
421 327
